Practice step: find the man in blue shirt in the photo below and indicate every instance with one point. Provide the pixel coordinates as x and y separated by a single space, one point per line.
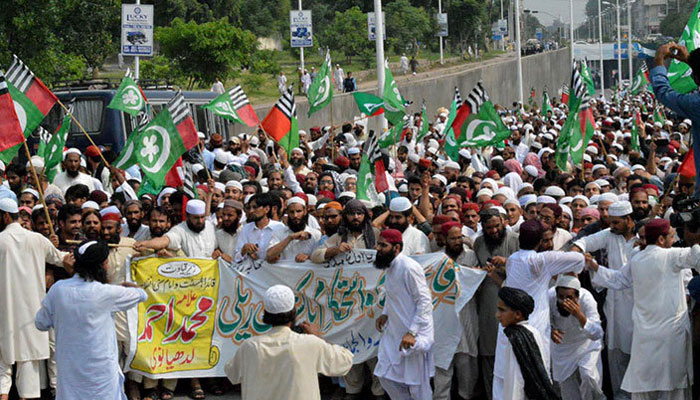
685 105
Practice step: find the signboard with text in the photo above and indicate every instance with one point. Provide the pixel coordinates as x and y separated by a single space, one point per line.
372 26
442 24
137 30
301 28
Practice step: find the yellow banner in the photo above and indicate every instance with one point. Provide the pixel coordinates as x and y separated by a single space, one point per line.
179 316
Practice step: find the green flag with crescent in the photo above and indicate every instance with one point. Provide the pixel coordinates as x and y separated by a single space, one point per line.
158 148
321 89
128 97
679 73
393 101
223 107
479 130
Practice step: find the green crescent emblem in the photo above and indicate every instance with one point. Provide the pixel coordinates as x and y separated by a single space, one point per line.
157 142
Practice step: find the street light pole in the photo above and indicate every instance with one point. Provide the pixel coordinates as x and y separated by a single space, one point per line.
619 44
301 49
600 48
571 29
629 39
516 3
440 13
379 40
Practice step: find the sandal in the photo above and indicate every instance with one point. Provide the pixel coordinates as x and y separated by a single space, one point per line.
166 394
197 394
151 394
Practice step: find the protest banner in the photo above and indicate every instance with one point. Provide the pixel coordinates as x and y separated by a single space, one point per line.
199 310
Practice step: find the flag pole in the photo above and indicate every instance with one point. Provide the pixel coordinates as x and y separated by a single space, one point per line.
83 130
205 166
332 135
38 187
274 155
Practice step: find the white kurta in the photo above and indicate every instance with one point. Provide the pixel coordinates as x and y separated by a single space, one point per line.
660 317
415 242
618 303
23 258
193 244
143 233
531 272
86 345
581 346
227 242
296 247
511 386
64 181
561 238
408 307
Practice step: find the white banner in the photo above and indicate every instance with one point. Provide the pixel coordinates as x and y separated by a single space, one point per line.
301 28
137 30
200 311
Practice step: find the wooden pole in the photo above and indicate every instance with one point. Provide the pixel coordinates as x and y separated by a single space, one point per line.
205 164
332 136
38 187
83 130
113 245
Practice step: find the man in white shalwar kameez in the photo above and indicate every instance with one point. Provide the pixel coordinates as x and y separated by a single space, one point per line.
23 258
531 271
81 310
618 241
578 340
405 358
660 365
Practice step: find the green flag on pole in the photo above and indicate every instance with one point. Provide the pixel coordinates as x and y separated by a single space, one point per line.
223 107
127 157
128 97
679 73
641 80
53 155
634 140
321 90
394 109
546 103
368 104
587 78
481 129
424 129
158 148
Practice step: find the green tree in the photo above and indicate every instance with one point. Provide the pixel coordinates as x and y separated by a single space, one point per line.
675 22
464 17
202 52
346 34
408 25
90 29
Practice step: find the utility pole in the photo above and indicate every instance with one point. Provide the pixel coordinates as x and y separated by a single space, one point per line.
600 48
517 50
379 40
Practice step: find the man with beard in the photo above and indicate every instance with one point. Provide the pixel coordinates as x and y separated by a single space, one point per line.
297 239
355 232
71 174
465 362
550 216
618 241
400 217
133 227
16 177
227 235
69 228
274 180
23 256
298 162
355 156
196 236
92 226
255 236
234 191
578 340
531 272
330 220
494 246
639 198
472 220
310 183
405 358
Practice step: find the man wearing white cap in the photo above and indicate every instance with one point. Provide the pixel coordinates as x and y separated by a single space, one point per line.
196 235
400 217
578 340
227 234
282 364
233 190
618 241
71 174
297 239
23 258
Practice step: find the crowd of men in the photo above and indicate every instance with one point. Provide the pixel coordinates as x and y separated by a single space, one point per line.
585 254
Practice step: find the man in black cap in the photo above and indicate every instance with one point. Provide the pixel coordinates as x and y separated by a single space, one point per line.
87 359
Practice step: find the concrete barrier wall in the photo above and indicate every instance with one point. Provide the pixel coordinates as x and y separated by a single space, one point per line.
551 69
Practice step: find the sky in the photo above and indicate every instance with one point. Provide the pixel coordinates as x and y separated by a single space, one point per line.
557 7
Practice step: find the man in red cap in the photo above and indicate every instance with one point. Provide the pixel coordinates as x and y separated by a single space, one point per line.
405 359
661 331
